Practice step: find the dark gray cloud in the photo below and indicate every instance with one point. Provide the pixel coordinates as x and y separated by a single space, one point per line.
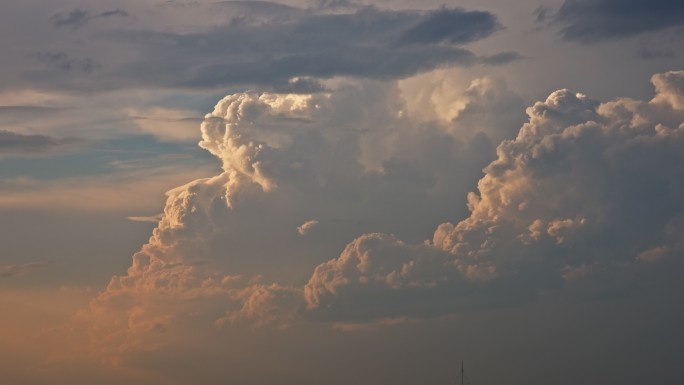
74 19
542 13
79 17
592 20
15 143
367 43
266 44
115 12
62 61
447 26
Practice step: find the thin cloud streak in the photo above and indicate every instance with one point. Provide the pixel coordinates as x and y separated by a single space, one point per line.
7 271
13 143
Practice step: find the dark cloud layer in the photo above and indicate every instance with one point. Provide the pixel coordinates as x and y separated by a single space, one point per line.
593 20
268 44
447 26
367 43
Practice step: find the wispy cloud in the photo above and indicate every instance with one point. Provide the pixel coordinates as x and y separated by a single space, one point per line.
306 227
60 60
12 143
152 219
78 18
7 271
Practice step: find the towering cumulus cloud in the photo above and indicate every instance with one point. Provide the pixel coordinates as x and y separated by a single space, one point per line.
169 276
586 190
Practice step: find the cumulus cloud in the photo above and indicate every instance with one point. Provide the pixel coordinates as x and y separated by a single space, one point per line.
379 276
561 206
486 105
345 156
565 200
168 276
593 20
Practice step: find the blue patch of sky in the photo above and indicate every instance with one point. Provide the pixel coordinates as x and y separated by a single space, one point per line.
97 158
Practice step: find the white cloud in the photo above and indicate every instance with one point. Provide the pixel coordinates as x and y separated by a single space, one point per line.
482 105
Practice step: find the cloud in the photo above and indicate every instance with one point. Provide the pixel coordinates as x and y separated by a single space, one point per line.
264 44
447 26
398 44
78 18
166 123
336 4
563 201
20 110
12 143
60 60
594 20
346 153
560 209
542 13
152 219
306 227
7 271
486 105
74 19
378 276
115 12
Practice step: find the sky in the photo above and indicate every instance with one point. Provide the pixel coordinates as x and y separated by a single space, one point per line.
341 192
